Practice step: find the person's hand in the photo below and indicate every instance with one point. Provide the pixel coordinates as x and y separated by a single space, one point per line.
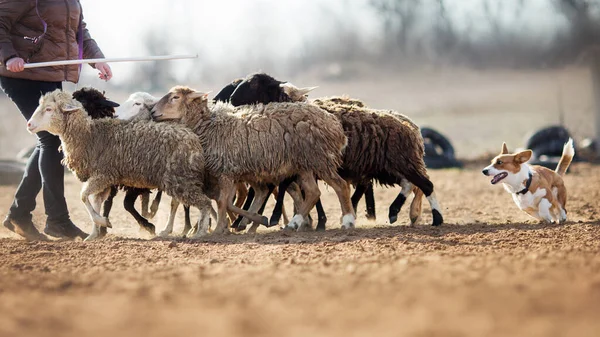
15 64
104 72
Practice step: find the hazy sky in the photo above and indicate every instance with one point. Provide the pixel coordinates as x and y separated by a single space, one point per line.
229 30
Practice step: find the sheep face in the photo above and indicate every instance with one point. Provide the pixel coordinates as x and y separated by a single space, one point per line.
95 103
134 105
262 88
258 88
173 105
50 114
225 93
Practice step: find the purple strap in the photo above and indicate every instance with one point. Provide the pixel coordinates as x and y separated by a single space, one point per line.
37 39
80 38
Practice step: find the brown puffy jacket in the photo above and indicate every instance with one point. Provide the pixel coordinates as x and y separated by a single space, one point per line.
18 19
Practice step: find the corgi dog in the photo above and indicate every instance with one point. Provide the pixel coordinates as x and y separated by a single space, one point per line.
538 191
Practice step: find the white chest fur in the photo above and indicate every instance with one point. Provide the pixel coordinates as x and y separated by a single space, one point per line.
529 200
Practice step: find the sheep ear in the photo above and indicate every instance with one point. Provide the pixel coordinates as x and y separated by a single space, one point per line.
109 103
504 149
70 108
197 94
288 88
304 91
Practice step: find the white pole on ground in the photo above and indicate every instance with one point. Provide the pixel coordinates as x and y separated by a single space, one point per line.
109 60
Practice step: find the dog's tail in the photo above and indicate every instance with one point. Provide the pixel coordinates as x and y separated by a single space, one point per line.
566 158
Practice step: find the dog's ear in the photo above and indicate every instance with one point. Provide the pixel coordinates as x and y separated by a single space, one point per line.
523 156
504 149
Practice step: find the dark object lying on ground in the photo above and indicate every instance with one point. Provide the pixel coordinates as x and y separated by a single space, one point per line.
439 152
547 146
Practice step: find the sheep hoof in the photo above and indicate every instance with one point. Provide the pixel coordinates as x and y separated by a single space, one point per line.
91 237
348 221
295 223
320 227
273 222
264 221
236 223
438 219
393 218
149 228
371 215
414 221
164 234
220 231
199 235
102 222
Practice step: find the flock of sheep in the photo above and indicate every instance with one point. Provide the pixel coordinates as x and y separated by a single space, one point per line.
257 132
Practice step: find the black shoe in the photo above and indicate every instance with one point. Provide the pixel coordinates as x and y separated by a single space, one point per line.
25 228
64 230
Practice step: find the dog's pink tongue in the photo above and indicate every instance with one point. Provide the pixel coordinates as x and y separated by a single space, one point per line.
499 177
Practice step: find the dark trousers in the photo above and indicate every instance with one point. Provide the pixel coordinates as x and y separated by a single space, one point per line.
44 170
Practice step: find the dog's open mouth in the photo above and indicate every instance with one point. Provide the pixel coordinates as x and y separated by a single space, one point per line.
499 177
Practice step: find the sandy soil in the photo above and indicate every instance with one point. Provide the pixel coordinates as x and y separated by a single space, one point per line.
490 271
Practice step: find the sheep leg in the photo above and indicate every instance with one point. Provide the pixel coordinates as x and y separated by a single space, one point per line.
397 204
370 201
203 224
155 203
129 204
358 194
342 189
100 191
297 196
226 195
241 194
247 203
322 216
96 204
188 222
169 228
91 187
278 209
263 203
107 207
425 185
309 186
260 200
145 201
415 206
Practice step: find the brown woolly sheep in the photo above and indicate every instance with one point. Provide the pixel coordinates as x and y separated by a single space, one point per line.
264 144
382 145
175 162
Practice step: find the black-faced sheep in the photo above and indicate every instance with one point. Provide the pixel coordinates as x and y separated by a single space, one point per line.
382 145
264 144
107 152
225 93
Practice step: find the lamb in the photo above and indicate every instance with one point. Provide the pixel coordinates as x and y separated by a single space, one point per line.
174 164
98 106
245 144
372 134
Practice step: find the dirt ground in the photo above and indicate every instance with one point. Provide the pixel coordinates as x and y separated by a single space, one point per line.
489 271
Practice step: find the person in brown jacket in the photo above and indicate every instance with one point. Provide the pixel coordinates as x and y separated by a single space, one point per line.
40 31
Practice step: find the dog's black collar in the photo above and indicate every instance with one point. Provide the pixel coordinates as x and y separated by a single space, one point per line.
527 184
